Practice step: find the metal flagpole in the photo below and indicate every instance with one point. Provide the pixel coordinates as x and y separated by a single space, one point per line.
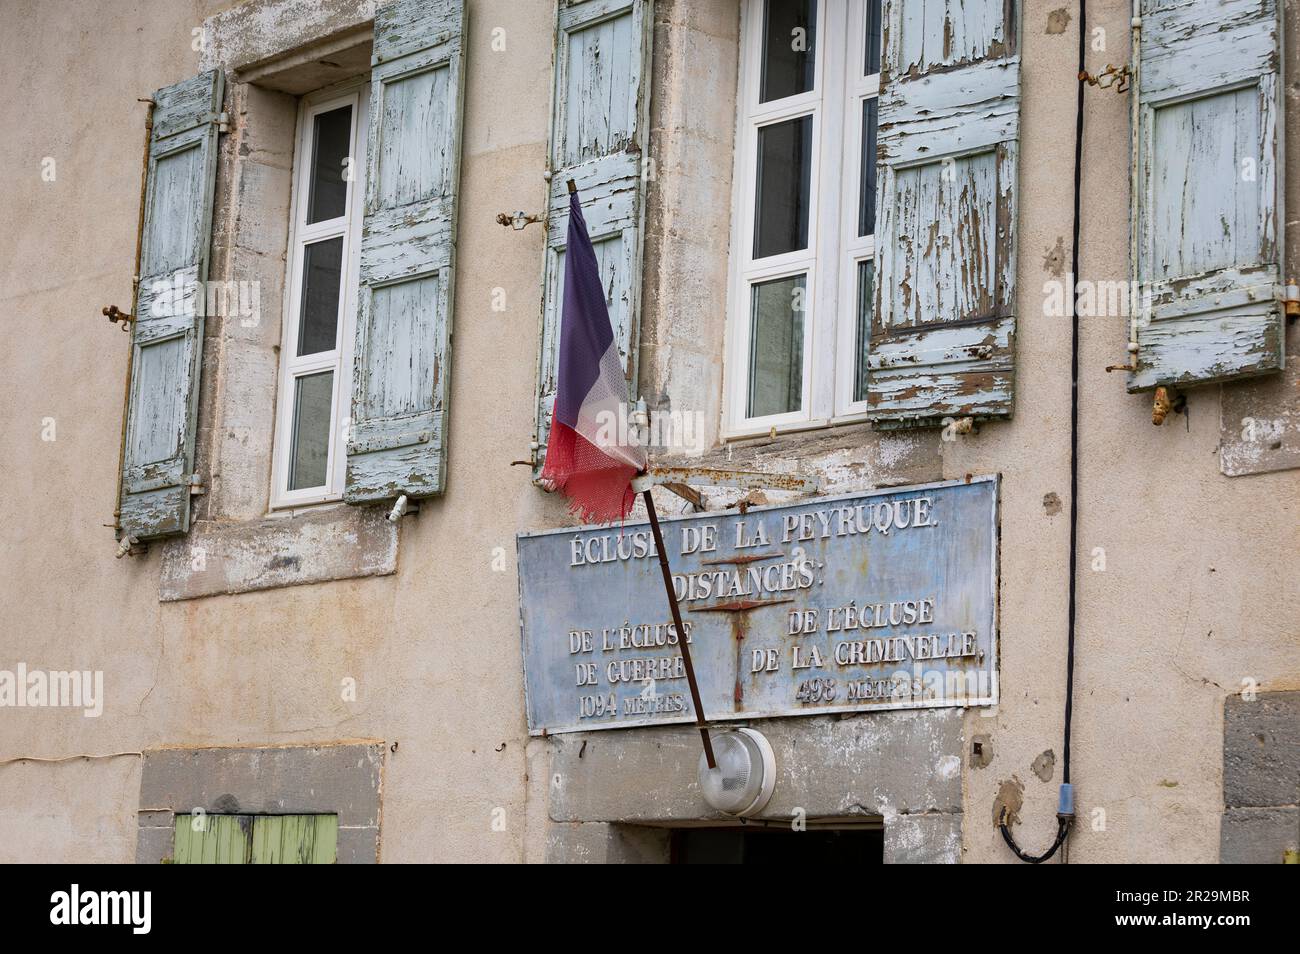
700 721
676 479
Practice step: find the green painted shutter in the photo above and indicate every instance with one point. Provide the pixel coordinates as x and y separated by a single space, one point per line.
256 839
397 441
943 332
600 122
167 334
1208 206
295 839
212 840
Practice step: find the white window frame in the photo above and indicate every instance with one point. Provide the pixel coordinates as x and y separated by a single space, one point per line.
340 359
834 248
854 249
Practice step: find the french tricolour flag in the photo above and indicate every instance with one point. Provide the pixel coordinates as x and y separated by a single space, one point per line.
584 456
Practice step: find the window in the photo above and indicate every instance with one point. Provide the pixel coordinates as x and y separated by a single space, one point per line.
320 299
806 206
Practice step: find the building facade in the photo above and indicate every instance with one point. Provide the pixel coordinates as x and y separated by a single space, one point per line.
267 566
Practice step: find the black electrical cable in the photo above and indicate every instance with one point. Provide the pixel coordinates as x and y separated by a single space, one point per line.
1063 822
1063 826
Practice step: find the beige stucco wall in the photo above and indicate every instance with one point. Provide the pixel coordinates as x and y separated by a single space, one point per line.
1198 591
434 649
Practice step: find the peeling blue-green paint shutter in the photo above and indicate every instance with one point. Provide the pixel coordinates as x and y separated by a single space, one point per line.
600 122
167 334
397 442
943 333
1208 207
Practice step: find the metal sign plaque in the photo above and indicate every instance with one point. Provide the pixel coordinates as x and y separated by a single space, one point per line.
881 600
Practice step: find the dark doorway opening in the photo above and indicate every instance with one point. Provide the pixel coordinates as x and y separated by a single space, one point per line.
755 845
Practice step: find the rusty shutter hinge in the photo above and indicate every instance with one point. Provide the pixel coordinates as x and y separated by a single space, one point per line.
1290 296
533 448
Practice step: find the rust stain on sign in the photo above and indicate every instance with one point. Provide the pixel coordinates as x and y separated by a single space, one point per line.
739 606
746 558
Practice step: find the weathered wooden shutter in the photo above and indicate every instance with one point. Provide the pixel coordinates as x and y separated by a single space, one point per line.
167 334
256 839
943 333
397 439
600 121
294 839
211 840
1208 207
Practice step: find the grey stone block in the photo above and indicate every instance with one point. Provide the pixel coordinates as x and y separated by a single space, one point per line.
152 845
1258 836
264 29
335 544
1261 750
638 845
603 843
1259 427
577 843
923 839
828 767
358 846
304 779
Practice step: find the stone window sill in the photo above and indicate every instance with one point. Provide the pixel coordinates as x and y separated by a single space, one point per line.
335 543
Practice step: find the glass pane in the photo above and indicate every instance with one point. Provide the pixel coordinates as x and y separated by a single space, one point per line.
313 396
867 191
872 65
784 183
322 270
776 347
331 142
862 345
789 48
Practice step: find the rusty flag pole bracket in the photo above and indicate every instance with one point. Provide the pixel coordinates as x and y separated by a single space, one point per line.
666 477
1118 78
115 314
520 219
678 480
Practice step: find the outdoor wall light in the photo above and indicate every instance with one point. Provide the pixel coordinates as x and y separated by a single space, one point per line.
742 783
